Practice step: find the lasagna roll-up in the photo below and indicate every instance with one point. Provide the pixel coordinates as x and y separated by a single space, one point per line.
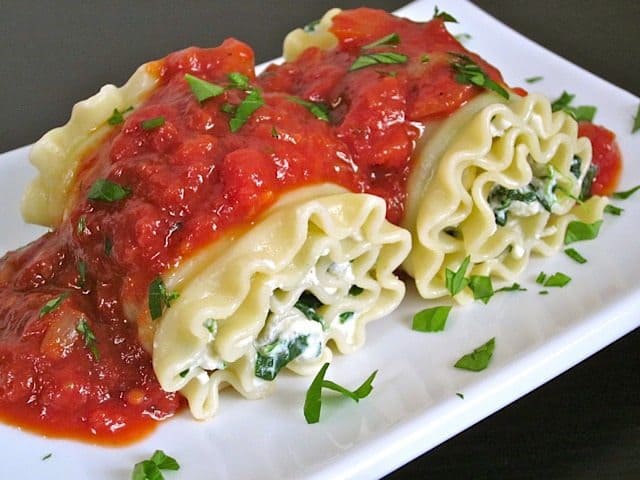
220 223
316 267
496 181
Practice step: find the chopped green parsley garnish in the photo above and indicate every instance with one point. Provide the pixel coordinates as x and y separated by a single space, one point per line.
159 298
543 292
345 316
117 117
108 246
534 79
152 123
274 133
318 109
478 359
575 255
46 457
381 58
460 395
481 287
424 58
151 469
456 281
313 399
184 373
107 191
239 81
311 26
540 279
582 113
470 73
391 39
228 108
613 210
636 121
578 231
463 37
250 104
444 16
52 304
82 225
355 290
90 339
211 324
82 273
431 319
558 279
202 89
626 194
515 287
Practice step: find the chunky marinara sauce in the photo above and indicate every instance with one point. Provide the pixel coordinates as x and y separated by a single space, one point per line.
74 318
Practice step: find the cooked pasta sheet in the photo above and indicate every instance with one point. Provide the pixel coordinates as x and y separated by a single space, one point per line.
496 181
315 269
58 154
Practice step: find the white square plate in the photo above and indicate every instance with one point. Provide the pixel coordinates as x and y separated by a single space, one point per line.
414 406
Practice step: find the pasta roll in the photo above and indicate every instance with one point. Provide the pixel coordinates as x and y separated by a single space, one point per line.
317 267
313 35
495 181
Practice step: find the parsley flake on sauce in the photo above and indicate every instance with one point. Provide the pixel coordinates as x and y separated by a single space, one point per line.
52 304
318 109
626 194
202 89
444 16
477 360
431 319
117 117
239 81
151 469
575 255
313 399
82 225
470 73
456 281
636 121
381 58
82 273
250 104
159 298
107 191
391 39
152 123
89 337
578 231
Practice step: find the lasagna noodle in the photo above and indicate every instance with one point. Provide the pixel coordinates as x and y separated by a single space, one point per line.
321 240
493 143
58 153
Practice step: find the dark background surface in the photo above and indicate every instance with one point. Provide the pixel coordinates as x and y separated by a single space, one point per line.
583 425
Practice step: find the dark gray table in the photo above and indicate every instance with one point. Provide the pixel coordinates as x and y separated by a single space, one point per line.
584 424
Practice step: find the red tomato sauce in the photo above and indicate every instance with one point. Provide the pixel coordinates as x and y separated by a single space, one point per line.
189 180
606 156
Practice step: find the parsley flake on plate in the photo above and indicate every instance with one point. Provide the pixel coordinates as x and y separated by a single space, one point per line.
313 398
